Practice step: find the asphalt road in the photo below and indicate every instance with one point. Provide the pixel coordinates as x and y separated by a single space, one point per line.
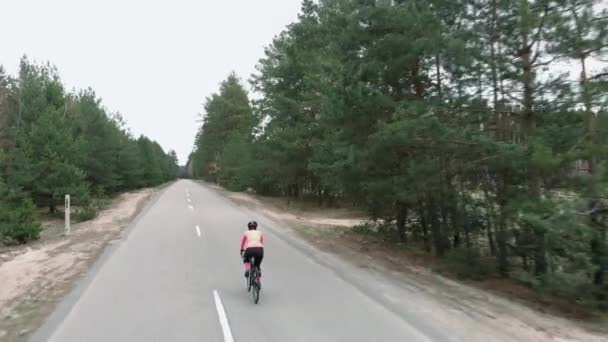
177 276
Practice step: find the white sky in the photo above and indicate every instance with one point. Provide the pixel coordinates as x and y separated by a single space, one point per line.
154 61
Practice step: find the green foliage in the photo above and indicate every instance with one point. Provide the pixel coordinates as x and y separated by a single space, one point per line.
445 120
102 143
52 154
54 143
467 264
88 212
365 228
89 209
222 144
236 161
525 278
17 217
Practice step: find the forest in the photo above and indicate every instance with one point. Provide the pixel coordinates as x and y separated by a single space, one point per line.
54 142
475 130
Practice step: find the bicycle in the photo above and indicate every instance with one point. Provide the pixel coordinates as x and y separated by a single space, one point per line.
253 281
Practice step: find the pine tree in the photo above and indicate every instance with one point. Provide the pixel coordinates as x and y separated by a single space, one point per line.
17 225
581 36
446 121
47 153
228 121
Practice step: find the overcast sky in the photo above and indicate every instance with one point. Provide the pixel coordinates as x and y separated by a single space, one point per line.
152 60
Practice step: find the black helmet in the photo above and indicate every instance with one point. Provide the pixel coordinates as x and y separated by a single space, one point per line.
252 225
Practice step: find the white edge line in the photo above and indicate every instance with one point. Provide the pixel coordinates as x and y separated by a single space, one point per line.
198 231
222 316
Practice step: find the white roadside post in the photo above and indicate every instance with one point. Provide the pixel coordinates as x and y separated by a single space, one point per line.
67 215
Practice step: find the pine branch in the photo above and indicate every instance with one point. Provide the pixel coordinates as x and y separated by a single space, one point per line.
596 49
604 74
510 96
580 141
540 28
543 63
599 18
597 210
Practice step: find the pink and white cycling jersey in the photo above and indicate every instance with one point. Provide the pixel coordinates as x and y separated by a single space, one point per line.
252 238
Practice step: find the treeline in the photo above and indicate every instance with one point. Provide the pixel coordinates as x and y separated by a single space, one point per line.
54 142
452 122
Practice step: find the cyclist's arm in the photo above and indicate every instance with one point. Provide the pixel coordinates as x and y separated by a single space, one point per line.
243 241
262 238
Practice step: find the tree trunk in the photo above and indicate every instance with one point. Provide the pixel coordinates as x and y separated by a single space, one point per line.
490 217
501 241
599 247
498 115
502 235
598 244
436 229
467 237
456 240
529 128
493 62
402 211
445 226
425 228
491 239
540 257
438 67
600 255
458 209
599 276
320 196
418 86
525 262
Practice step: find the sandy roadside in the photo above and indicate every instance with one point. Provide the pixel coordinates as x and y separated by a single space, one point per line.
454 302
34 278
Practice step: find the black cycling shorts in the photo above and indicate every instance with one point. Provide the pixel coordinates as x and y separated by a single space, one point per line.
256 252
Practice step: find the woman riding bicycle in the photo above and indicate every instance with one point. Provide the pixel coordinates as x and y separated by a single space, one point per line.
252 245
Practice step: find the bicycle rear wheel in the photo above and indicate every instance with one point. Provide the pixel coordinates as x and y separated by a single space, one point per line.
250 277
256 286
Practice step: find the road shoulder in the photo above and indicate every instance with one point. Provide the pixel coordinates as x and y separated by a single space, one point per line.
39 276
453 302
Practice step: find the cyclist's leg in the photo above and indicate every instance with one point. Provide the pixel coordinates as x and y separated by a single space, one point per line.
246 256
258 263
258 253
260 257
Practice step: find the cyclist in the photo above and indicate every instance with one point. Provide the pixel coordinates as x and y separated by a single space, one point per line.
252 245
